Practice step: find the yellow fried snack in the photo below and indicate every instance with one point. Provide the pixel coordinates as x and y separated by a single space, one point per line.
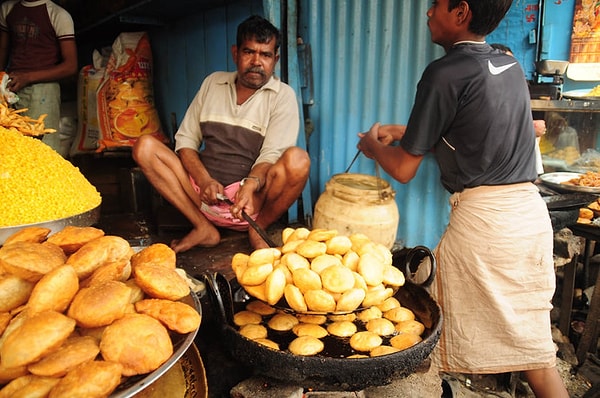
266 255
377 295
319 301
54 291
381 326
256 274
175 315
312 318
370 313
295 298
282 322
138 342
14 291
306 346
37 336
28 234
74 351
294 261
161 282
156 253
403 341
100 305
27 386
383 350
365 341
119 270
399 314
319 263
388 304
92 379
371 268
311 249
340 244
268 343
275 286
260 308
242 318
337 278
253 331
350 300
321 234
30 261
410 326
392 276
71 238
342 328
306 279
309 329
97 252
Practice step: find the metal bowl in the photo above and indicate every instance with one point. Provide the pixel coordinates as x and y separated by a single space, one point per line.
84 219
548 67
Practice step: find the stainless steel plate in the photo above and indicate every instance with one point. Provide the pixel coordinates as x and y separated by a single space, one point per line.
556 182
580 95
85 219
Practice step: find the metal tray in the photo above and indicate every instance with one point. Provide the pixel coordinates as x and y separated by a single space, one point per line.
84 219
556 182
581 94
569 200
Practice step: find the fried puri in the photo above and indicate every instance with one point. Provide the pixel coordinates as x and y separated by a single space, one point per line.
337 278
306 346
282 322
71 238
74 351
14 291
381 326
365 341
54 291
119 270
98 252
342 328
309 329
29 386
92 379
100 305
157 254
403 341
28 234
383 350
30 261
175 315
138 342
260 307
319 301
37 336
253 331
242 318
161 282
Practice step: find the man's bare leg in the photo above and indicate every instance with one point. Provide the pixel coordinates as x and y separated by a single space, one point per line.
546 383
285 182
164 171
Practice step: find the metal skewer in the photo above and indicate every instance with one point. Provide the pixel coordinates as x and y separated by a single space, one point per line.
353 160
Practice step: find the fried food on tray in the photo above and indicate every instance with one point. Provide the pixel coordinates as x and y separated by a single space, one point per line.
71 238
97 252
306 346
5 318
28 386
365 341
29 260
28 234
8 374
399 314
319 301
119 270
410 326
175 315
381 326
100 305
282 322
260 307
309 329
268 343
14 291
350 300
589 179
54 291
74 351
245 317
92 379
342 328
403 341
138 342
157 253
383 350
36 337
253 331
161 282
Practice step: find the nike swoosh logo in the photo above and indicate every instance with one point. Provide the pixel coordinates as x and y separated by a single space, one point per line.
496 70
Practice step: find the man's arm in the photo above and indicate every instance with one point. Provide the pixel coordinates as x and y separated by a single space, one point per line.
193 165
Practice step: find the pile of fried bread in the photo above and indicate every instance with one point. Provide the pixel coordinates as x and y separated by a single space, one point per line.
321 284
81 311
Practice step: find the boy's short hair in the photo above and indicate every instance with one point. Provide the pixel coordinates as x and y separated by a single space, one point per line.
487 14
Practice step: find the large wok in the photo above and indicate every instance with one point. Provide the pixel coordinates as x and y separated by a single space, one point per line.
330 372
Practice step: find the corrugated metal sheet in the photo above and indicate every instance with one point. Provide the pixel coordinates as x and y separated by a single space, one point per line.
367 59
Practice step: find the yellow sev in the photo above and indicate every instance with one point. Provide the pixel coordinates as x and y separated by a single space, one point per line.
37 184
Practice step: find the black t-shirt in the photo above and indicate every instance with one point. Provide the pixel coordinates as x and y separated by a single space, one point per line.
472 109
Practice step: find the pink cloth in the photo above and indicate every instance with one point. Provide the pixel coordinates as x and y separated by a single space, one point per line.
219 214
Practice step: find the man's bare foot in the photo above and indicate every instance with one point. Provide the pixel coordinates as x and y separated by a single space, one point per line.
255 240
196 237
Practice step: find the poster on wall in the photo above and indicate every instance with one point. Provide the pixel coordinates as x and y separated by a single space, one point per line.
585 42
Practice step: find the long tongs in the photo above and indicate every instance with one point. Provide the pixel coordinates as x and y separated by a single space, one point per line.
263 234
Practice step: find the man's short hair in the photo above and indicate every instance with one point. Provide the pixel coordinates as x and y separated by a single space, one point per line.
487 14
259 29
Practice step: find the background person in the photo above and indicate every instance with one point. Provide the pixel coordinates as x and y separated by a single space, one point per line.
495 279
246 123
38 49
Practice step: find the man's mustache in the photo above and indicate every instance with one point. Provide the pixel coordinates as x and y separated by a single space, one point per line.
255 70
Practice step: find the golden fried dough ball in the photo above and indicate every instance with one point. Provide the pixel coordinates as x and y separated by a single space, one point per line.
350 300
71 238
100 305
99 251
239 263
351 317
342 328
312 318
294 261
256 274
377 295
5 318
37 336
350 260
309 329
410 326
92 379
340 244
381 326
365 341
275 286
370 313
175 315
321 234
306 346
28 234
319 301
311 249
161 282
119 270
54 291
263 256
242 318
298 234
268 343
138 342
30 261
74 351
295 298
306 279
388 304
253 331
15 321
383 350
282 322
157 254
260 308
286 233
358 240
371 268
319 263
291 246
337 278
399 314
8 374
258 291
14 291
29 386
403 341
392 276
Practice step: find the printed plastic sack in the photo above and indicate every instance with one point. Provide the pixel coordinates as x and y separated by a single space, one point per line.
88 128
126 96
